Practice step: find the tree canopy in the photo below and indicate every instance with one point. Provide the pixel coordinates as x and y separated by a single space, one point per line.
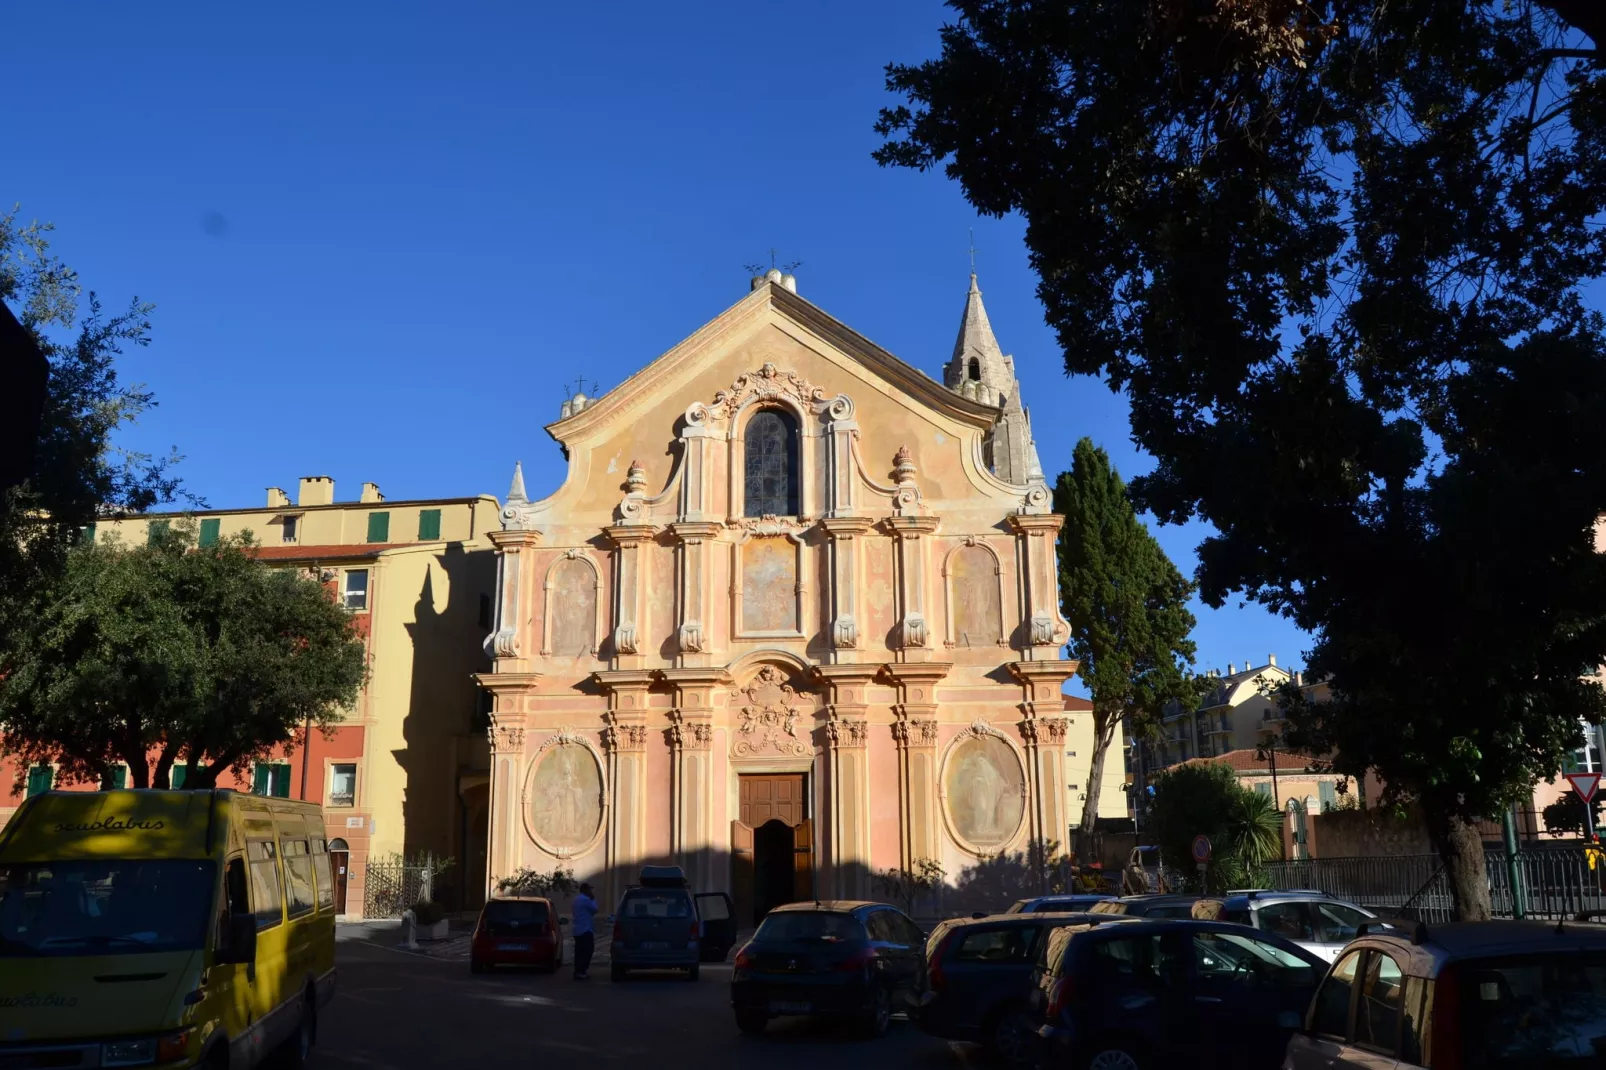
1333 253
1204 798
1127 606
171 652
78 473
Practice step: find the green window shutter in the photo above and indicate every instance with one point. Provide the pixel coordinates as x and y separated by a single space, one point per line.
209 531
429 525
261 778
119 776
154 531
280 787
175 776
1327 793
378 527
86 534
40 779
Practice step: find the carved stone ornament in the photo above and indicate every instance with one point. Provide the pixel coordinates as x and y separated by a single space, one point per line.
915 632
769 717
518 514
625 737
624 638
926 732
845 733
691 637
689 735
1042 629
636 478
768 524
767 382
505 643
1035 500
845 632
1028 730
979 728
915 732
1054 730
507 738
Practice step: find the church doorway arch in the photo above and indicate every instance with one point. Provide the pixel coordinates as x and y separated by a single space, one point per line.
772 844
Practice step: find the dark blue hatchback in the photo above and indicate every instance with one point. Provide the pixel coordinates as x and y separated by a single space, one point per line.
1162 993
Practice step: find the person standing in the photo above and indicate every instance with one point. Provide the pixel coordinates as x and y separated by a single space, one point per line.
584 912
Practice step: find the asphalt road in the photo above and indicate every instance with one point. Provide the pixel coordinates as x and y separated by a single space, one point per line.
397 1011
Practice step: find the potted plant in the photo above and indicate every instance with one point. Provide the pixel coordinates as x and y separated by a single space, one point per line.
430 920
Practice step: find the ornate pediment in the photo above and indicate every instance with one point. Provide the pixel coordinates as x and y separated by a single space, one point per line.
769 717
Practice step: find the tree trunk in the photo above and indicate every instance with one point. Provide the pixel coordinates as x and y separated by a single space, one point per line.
1103 733
1461 850
164 769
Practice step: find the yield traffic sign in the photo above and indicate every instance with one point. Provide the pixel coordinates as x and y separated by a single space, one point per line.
1585 784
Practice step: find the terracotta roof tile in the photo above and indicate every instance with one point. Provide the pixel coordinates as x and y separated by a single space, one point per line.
333 551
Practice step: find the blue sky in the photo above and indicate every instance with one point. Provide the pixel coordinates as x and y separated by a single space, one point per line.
381 237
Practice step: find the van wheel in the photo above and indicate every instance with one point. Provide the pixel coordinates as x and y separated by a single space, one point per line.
297 1051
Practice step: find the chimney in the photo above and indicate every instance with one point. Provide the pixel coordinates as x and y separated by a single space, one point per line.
1299 679
1271 659
370 493
277 498
1231 669
316 490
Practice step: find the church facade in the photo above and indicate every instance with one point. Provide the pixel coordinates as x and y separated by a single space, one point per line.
792 619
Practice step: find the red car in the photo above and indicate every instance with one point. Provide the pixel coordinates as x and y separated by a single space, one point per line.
516 932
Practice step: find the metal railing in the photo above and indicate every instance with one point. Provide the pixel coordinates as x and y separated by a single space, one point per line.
1555 883
389 889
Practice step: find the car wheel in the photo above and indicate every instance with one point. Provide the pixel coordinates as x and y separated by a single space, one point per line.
693 972
297 1051
879 1016
752 1022
1009 1037
1112 1057
617 973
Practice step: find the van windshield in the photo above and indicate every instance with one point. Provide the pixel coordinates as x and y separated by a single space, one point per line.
103 907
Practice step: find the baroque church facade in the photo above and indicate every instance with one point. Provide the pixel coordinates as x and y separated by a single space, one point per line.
792 619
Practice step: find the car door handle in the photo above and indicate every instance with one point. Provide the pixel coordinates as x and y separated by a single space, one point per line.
1207 999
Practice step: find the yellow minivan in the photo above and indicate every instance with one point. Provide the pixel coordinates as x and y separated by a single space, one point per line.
163 929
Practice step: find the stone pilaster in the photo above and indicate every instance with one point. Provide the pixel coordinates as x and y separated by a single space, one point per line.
914 640
625 740
694 631
841 479
510 650
1045 631
915 731
847 846
691 740
846 539
632 543
1042 730
503 857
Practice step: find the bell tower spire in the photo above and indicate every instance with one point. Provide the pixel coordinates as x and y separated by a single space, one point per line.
981 371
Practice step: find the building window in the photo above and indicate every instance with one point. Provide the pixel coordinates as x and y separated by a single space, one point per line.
343 785
975 369
156 531
180 773
40 779
119 777
271 778
429 525
210 529
378 527
356 588
86 534
771 464
289 528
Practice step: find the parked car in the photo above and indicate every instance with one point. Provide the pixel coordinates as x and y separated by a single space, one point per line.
656 926
717 914
1056 903
1159 905
979 972
855 960
1317 922
1488 995
516 931
1169 993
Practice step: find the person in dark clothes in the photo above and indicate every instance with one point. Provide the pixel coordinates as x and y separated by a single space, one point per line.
584 910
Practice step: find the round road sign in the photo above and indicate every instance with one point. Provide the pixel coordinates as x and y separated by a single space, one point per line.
1201 849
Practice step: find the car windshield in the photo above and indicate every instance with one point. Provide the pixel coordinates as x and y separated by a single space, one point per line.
1230 957
645 904
790 925
104 907
1546 1010
515 915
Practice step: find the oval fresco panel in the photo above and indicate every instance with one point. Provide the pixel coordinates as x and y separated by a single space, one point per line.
566 796
986 791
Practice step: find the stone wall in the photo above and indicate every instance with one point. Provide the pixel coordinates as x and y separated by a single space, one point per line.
1367 833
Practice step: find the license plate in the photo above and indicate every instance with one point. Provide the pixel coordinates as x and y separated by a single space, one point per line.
654 945
782 1006
512 947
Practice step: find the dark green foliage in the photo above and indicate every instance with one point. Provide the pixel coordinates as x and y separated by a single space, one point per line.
1205 799
154 653
1332 253
1565 816
1127 606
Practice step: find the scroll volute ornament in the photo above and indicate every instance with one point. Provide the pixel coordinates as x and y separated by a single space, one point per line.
769 716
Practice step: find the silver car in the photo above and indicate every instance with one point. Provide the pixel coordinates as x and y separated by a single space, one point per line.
1315 921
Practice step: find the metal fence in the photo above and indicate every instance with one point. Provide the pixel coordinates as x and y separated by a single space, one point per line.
1554 884
389 889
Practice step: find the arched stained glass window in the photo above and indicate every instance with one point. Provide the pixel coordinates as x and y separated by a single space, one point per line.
771 465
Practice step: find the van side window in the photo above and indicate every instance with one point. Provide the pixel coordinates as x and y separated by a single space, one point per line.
300 896
239 900
326 878
266 901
